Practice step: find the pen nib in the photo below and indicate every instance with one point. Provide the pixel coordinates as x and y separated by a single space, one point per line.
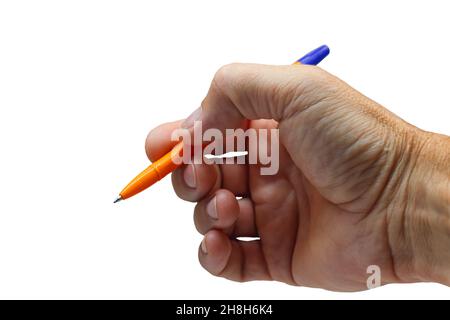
119 198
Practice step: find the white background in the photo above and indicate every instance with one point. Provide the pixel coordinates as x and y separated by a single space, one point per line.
81 84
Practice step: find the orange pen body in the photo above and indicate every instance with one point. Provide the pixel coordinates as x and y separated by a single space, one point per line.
155 172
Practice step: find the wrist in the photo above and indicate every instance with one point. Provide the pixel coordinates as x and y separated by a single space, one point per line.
427 210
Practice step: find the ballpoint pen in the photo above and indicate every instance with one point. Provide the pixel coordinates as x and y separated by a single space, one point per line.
165 165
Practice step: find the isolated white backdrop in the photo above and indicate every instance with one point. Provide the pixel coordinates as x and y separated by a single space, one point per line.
81 84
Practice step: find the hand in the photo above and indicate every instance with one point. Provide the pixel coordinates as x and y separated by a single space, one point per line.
357 186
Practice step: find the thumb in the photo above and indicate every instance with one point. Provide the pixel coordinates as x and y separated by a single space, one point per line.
251 91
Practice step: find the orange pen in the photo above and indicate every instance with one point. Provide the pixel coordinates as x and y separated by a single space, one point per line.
165 165
155 172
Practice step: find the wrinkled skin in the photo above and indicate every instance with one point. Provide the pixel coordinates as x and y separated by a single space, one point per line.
345 196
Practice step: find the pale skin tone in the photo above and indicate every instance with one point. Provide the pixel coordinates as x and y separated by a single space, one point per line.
357 186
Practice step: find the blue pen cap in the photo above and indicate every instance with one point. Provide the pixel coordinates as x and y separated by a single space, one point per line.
315 56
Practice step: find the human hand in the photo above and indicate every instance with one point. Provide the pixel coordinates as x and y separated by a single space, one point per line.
357 186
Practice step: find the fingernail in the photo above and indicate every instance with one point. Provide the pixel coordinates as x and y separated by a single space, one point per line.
189 122
189 176
203 246
211 208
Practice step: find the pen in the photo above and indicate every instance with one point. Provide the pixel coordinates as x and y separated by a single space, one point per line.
164 165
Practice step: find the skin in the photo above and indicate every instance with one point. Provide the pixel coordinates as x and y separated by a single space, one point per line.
357 186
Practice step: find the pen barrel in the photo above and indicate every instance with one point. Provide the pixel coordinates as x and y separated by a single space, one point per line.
169 162
155 172
141 182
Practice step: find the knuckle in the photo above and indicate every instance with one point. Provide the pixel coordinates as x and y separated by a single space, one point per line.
226 75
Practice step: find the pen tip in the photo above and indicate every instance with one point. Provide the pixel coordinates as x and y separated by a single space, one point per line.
119 198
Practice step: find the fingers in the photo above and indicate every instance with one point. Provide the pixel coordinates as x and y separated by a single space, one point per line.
194 182
233 259
223 211
251 91
191 182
